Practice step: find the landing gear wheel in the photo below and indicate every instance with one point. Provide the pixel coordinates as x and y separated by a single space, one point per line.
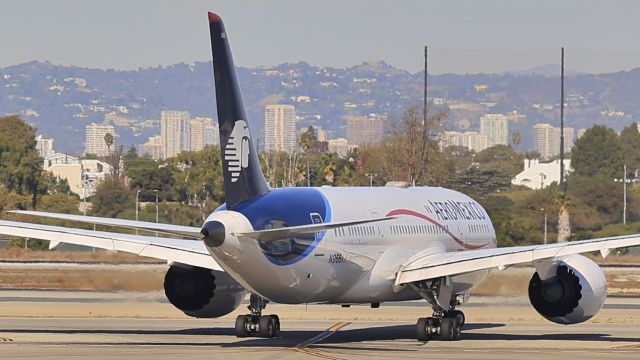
268 326
425 328
241 326
457 314
450 329
277 320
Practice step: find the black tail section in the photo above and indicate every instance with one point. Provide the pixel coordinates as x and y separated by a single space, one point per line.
243 178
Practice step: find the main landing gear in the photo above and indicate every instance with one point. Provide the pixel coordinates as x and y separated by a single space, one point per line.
447 326
256 324
446 322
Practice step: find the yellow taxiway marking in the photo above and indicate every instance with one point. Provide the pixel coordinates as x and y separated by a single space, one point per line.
302 347
325 334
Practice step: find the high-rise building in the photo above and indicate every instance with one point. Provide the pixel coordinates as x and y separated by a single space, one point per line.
280 128
95 142
547 140
175 132
496 128
212 134
363 130
44 146
319 133
153 148
203 133
468 139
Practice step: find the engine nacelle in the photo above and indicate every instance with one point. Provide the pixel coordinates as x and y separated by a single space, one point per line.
202 293
573 292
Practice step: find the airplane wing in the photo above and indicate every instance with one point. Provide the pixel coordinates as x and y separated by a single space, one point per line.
452 263
189 252
187 231
285 232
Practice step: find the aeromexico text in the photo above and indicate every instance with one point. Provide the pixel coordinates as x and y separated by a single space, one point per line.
455 210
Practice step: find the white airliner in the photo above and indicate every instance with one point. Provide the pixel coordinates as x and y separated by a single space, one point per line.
335 245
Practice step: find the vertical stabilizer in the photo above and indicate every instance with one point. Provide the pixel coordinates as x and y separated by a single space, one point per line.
243 178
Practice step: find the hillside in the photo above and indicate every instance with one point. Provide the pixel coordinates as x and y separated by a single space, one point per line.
61 100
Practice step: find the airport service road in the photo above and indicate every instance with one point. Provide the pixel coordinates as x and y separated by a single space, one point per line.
27 338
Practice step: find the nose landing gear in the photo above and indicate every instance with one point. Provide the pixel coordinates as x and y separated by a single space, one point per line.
256 324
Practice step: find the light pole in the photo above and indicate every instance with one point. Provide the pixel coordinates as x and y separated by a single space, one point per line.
545 226
156 191
137 194
371 175
543 176
624 182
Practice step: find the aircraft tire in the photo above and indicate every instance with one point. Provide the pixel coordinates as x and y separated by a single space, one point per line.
422 328
241 326
267 327
457 314
450 329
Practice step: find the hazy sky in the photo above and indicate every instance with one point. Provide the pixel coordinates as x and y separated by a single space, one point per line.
488 35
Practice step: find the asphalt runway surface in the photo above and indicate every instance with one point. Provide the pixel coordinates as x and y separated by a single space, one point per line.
36 324
25 338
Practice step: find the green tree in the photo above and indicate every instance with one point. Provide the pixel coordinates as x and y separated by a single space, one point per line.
20 165
307 138
598 152
112 198
630 141
150 177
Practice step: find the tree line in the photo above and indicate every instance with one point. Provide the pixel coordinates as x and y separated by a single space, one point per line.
189 186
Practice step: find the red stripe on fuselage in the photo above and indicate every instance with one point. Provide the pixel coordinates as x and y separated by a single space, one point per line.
424 217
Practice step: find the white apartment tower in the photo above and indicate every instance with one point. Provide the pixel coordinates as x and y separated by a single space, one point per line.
152 148
280 128
175 132
94 139
469 139
44 146
547 140
496 128
201 133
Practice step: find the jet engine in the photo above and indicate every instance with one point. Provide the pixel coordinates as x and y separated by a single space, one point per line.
572 291
202 293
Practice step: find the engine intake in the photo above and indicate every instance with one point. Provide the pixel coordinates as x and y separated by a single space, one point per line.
202 293
573 295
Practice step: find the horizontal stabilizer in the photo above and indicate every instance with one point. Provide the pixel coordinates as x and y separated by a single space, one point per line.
285 232
189 252
168 229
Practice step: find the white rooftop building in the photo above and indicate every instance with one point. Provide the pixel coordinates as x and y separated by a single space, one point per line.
537 175
82 175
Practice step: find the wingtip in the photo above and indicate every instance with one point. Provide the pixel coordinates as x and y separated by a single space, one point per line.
214 17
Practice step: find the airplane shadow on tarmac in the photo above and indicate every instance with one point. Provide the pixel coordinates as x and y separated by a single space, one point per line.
293 338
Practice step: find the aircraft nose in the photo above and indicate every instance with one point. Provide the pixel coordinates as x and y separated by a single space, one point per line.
213 233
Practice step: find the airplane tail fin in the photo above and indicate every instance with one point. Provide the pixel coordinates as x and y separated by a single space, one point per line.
243 177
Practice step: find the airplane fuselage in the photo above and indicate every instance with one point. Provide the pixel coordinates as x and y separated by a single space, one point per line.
354 264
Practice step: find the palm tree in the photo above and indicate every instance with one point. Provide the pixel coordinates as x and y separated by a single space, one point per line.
108 139
564 225
516 138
